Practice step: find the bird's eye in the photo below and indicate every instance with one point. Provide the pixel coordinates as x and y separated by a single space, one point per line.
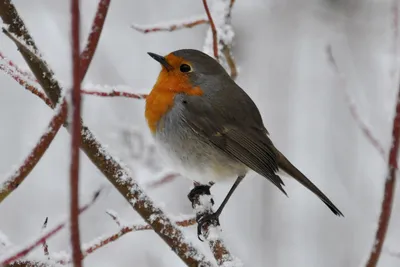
185 68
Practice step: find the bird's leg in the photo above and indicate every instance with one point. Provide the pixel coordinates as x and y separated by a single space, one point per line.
208 218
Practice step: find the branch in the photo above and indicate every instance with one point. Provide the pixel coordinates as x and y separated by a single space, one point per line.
111 168
48 233
114 93
123 229
213 29
25 83
77 73
11 183
171 25
94 36
387 203
202 203
390 183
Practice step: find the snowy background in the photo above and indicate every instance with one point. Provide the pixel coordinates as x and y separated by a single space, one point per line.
281 51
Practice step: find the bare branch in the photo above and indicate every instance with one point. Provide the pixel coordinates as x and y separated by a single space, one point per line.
390 183
94 36
213 29
77 73
387 203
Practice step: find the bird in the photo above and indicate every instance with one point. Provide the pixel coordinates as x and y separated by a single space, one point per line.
209 129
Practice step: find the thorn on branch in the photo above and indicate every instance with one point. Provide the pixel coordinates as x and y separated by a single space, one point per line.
45 246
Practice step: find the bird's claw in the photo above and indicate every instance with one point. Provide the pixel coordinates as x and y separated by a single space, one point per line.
206 220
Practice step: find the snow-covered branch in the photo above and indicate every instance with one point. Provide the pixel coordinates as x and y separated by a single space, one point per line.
202 203
116 173
24 250
219 38
171 25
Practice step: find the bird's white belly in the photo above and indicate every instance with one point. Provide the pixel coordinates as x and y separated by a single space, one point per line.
202 170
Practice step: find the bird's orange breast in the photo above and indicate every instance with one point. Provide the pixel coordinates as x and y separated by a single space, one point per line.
161 98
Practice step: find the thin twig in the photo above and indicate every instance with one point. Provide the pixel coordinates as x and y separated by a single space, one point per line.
114 94
213 29
170 26
49 233
94 36
11 183
163 180
103 241
31 88
75 134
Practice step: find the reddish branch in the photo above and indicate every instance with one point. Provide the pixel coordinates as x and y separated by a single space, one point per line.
390 183
23 252
103 241
75 134
36 154
94 36
386 208
213 29
111 168
31 88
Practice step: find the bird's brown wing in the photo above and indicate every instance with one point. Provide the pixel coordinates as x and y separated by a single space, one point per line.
250 146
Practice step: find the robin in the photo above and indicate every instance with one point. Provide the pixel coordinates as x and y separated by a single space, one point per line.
209 129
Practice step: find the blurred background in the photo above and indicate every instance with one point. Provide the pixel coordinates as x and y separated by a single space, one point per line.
282 51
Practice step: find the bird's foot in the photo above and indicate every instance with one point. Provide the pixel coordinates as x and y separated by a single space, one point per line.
200 189
207 220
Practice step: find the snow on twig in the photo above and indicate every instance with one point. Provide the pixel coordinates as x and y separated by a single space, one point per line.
219 38
124 228
16 255
171 25
202 204
11 70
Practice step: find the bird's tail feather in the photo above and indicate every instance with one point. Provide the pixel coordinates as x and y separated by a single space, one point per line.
288 167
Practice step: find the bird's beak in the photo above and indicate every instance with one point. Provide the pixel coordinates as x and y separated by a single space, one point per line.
161 60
